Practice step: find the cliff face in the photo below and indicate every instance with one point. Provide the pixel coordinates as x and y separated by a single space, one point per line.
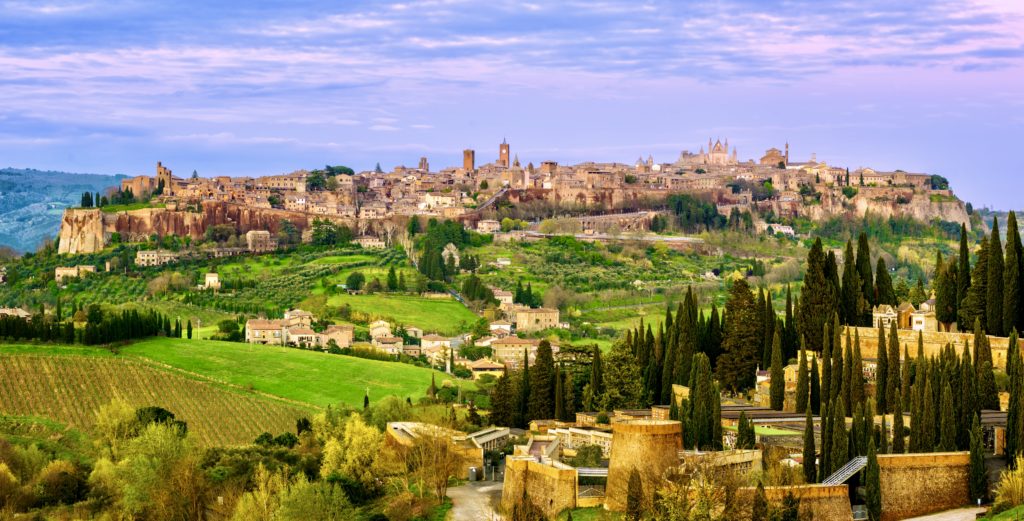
89 230
920 207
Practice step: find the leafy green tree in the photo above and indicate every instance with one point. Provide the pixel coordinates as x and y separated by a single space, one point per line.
355 281
739 359
622 380
414 227
777 378
392 279
873 484
810 470
994 298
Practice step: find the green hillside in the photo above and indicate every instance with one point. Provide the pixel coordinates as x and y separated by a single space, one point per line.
315 378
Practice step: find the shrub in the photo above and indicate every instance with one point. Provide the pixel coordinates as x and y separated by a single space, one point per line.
1010 491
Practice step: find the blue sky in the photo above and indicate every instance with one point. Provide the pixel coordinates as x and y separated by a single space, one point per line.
231 88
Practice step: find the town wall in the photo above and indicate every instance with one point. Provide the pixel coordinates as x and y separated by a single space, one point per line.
816 501
648 446
918 484
934 343
552 489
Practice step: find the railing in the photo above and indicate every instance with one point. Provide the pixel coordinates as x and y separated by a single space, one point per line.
846 471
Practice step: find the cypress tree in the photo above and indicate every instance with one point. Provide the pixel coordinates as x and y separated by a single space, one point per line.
927 443
188 329
777 380
836 385
883 438
840 442
816 302
1015 412
851 295
815 396
559 395
979 475
825 463
704 402
974 307
892 386
542 383
716 420
810 471
944 284
790 343
634 497
847 387
994 298
947 429
1011 276
857 372
898 446
967 399
759 509
988 394
905 378
745 437
963 280
884 292
882 371
596 372
826 366
873 485
802 383
866 280
523 403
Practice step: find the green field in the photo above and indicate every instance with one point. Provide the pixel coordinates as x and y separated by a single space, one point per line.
69 384
314 378
443 316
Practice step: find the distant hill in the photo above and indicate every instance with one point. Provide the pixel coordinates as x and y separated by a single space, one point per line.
32 201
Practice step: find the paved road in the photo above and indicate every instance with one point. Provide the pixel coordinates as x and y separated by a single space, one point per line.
475 501
962 514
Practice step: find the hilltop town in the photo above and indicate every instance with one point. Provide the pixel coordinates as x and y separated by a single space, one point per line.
773 188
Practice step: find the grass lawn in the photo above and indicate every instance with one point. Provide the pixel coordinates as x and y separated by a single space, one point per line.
590 514
444 316
315 378
1010 515
46 349
112 208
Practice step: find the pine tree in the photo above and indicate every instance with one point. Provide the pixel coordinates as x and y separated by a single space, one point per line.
994 298
1011 276
810 472
898 446
979 475
777 379
815 396
873 485
881 371
947 429
802 383
884 292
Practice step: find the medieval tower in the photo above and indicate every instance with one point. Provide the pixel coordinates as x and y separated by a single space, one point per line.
503 153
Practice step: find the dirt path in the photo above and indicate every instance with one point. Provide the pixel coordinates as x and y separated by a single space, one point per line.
475 501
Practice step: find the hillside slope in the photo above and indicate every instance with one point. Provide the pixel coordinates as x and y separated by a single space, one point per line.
32 202
69 388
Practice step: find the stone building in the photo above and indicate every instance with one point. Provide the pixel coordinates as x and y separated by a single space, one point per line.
75 272
144 258
535 319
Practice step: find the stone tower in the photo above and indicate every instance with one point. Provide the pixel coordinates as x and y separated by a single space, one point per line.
424 164
164 174
649 447
469 160
503 153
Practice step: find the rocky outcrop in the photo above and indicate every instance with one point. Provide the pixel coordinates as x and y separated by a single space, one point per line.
89 230
918 206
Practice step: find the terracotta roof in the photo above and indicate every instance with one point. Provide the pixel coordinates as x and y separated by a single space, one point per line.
342 327
388 339
484 363
514 340
301 331
263 324
434 337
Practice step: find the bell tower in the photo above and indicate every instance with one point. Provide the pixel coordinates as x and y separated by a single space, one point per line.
503 153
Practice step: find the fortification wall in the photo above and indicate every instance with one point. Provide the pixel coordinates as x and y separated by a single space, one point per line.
918 484
552 489
648 446
816 501
934 342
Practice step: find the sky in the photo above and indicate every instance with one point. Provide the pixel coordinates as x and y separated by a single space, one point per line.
261 88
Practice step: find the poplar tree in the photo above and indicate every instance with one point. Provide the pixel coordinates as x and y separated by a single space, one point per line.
884 291
777 378
1011 276
810 470
802 383
882 371
994 298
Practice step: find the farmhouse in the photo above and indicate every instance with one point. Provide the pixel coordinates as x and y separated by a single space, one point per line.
61 273
535 319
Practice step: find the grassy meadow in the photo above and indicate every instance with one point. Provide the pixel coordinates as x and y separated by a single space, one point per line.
443 316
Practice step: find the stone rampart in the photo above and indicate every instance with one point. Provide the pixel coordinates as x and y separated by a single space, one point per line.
550 488
919 484
816 501
648 446
934 343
